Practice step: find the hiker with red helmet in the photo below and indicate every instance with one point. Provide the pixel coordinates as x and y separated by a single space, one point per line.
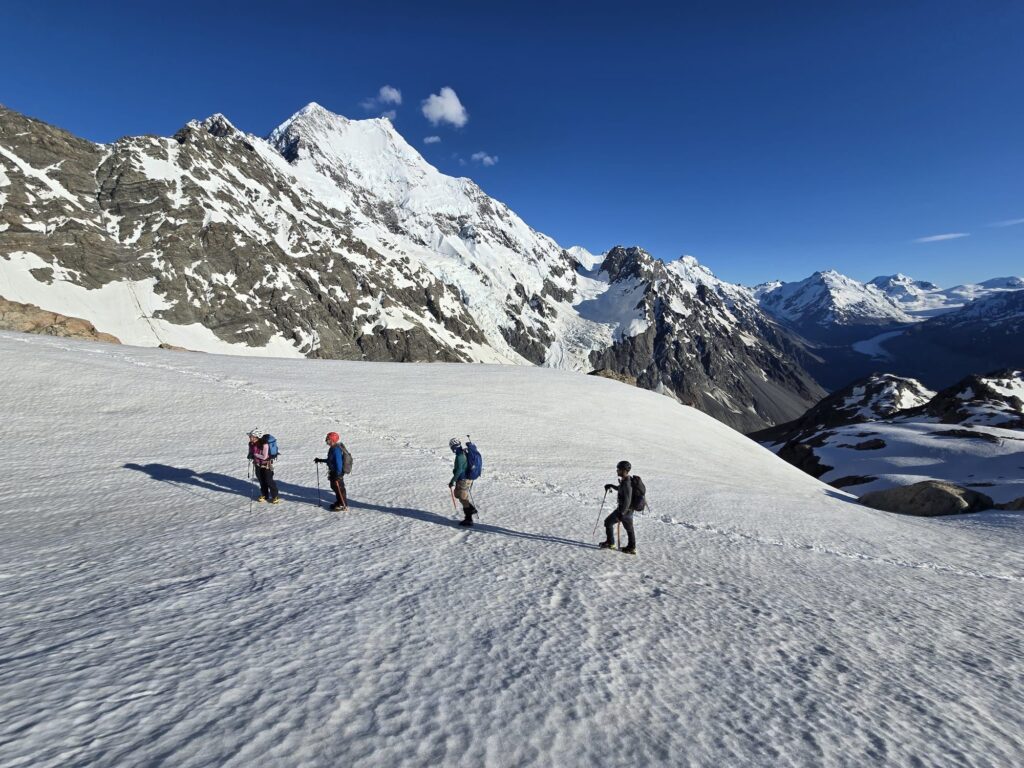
339 464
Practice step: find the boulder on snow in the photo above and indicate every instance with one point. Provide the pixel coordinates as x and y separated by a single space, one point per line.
929 498
28 318
1017 505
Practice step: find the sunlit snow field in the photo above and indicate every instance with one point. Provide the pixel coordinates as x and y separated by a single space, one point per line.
147 617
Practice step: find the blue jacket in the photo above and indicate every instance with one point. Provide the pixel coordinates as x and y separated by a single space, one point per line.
335 460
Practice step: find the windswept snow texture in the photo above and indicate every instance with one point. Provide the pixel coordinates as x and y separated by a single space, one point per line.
149 618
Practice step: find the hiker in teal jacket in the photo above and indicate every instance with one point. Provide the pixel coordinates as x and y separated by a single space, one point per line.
460 482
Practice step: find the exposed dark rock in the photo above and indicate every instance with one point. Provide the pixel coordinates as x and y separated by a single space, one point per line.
969 434
615 376
850 480
803 457
867 445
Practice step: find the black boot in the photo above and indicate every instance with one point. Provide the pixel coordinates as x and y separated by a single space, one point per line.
607 545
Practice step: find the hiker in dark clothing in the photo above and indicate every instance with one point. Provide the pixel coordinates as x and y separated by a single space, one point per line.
460 482
263 464
335 462
623 510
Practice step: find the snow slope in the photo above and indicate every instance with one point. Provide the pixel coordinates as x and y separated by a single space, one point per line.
149 618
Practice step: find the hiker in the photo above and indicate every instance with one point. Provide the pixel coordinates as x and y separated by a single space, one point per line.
461 482
336 469
623 510
262 452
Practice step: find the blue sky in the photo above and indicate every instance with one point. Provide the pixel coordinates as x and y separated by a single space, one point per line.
767 139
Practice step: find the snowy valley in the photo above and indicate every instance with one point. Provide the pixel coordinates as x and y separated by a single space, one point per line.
150 617
885 431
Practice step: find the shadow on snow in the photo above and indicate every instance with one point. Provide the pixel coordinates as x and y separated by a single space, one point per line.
189 479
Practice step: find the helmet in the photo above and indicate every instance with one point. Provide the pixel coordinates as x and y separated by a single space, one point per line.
332 437
455 443
624 465
255 433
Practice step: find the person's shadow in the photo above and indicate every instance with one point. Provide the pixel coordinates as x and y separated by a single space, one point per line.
190 480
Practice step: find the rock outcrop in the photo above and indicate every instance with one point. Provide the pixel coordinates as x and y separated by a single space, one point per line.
28 318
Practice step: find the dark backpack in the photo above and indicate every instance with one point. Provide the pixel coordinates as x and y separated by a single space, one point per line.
639 502
474 462
346 459
271 442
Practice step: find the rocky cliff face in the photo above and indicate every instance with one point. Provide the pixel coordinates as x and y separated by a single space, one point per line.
335 238
689 331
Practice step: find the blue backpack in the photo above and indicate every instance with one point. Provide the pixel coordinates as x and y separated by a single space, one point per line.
271 446
474 462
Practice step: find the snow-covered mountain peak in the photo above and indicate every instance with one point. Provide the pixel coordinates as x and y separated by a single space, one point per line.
371 160
629 262
219 125
1006 283
692 270
830 297
583 257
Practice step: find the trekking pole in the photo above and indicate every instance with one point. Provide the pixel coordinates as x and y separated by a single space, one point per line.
599 513
473 501
252 492
454 505
618 534
319 498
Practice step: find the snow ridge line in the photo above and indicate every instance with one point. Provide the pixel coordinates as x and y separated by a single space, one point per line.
541 486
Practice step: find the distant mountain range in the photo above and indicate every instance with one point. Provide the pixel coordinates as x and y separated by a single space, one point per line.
901 325
335 238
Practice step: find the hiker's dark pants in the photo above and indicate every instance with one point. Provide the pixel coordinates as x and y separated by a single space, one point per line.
338 486
268 488
626 518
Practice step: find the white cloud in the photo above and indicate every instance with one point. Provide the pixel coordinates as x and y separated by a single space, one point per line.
391 114
484 159
432 140
939 238
1007 223
387 94
445 107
